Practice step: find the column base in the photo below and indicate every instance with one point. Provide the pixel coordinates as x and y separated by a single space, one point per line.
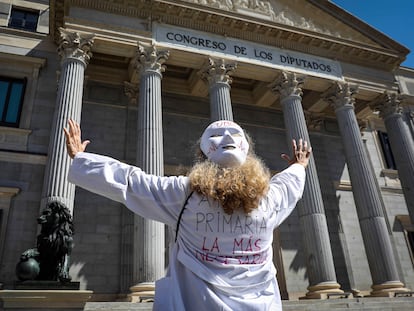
142 292
44 299
388 289
325 290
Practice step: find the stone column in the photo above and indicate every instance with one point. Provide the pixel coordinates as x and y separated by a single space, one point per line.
127 220
402 143
319 259
74 50
366 193
217 74
149 242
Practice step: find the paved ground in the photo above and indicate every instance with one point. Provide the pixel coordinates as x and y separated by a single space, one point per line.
354 304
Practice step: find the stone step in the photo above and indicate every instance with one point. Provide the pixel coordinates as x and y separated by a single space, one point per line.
118 306
351 304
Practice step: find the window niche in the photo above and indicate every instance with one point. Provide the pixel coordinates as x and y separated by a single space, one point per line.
389 171
408 229
11 100
389 160
24 19
18 85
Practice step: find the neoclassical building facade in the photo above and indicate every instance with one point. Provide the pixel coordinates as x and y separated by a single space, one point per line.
145 77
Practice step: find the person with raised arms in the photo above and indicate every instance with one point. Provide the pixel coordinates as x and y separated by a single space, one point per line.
223 214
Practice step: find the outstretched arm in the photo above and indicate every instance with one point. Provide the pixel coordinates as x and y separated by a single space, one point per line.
301 153
74 142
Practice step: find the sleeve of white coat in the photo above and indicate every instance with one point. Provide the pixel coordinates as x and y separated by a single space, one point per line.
153 197
286 189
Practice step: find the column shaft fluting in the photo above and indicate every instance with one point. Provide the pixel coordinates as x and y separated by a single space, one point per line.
75 54
319 259
127 217
149 244
220 102
402 144
366 194
217 74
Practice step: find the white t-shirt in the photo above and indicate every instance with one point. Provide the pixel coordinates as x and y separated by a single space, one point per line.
219 261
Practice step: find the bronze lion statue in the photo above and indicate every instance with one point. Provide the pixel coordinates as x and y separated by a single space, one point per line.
49 261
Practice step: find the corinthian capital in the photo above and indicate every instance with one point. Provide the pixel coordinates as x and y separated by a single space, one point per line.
217 71
288 84
149 58
341 95
75 45
387 104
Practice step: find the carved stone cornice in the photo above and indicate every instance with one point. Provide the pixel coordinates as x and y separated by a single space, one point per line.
288 84
387 104
74 45
217 71
341 95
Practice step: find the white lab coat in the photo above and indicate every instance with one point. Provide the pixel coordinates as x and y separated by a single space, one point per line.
219 261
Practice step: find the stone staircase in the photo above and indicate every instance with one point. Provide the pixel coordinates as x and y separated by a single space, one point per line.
347 304
352 304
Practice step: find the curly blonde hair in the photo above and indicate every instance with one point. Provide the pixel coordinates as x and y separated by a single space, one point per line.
239 188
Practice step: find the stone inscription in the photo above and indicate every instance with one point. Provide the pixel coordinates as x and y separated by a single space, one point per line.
248 51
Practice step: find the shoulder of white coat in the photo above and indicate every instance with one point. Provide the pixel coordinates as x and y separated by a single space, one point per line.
92 157
295 169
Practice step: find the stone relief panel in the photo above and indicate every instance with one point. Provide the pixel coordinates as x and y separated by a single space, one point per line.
249 6
289 13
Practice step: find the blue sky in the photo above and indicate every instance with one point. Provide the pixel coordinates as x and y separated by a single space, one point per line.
393 18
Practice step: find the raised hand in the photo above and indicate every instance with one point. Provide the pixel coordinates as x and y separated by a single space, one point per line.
301 153
74 142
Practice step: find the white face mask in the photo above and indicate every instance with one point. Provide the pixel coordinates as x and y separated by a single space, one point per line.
224 143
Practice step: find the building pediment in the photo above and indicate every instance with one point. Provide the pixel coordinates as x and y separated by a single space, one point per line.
316 27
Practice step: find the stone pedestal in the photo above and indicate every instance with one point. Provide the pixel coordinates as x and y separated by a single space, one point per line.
44 299
324 291
143 292
46 285
388 289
